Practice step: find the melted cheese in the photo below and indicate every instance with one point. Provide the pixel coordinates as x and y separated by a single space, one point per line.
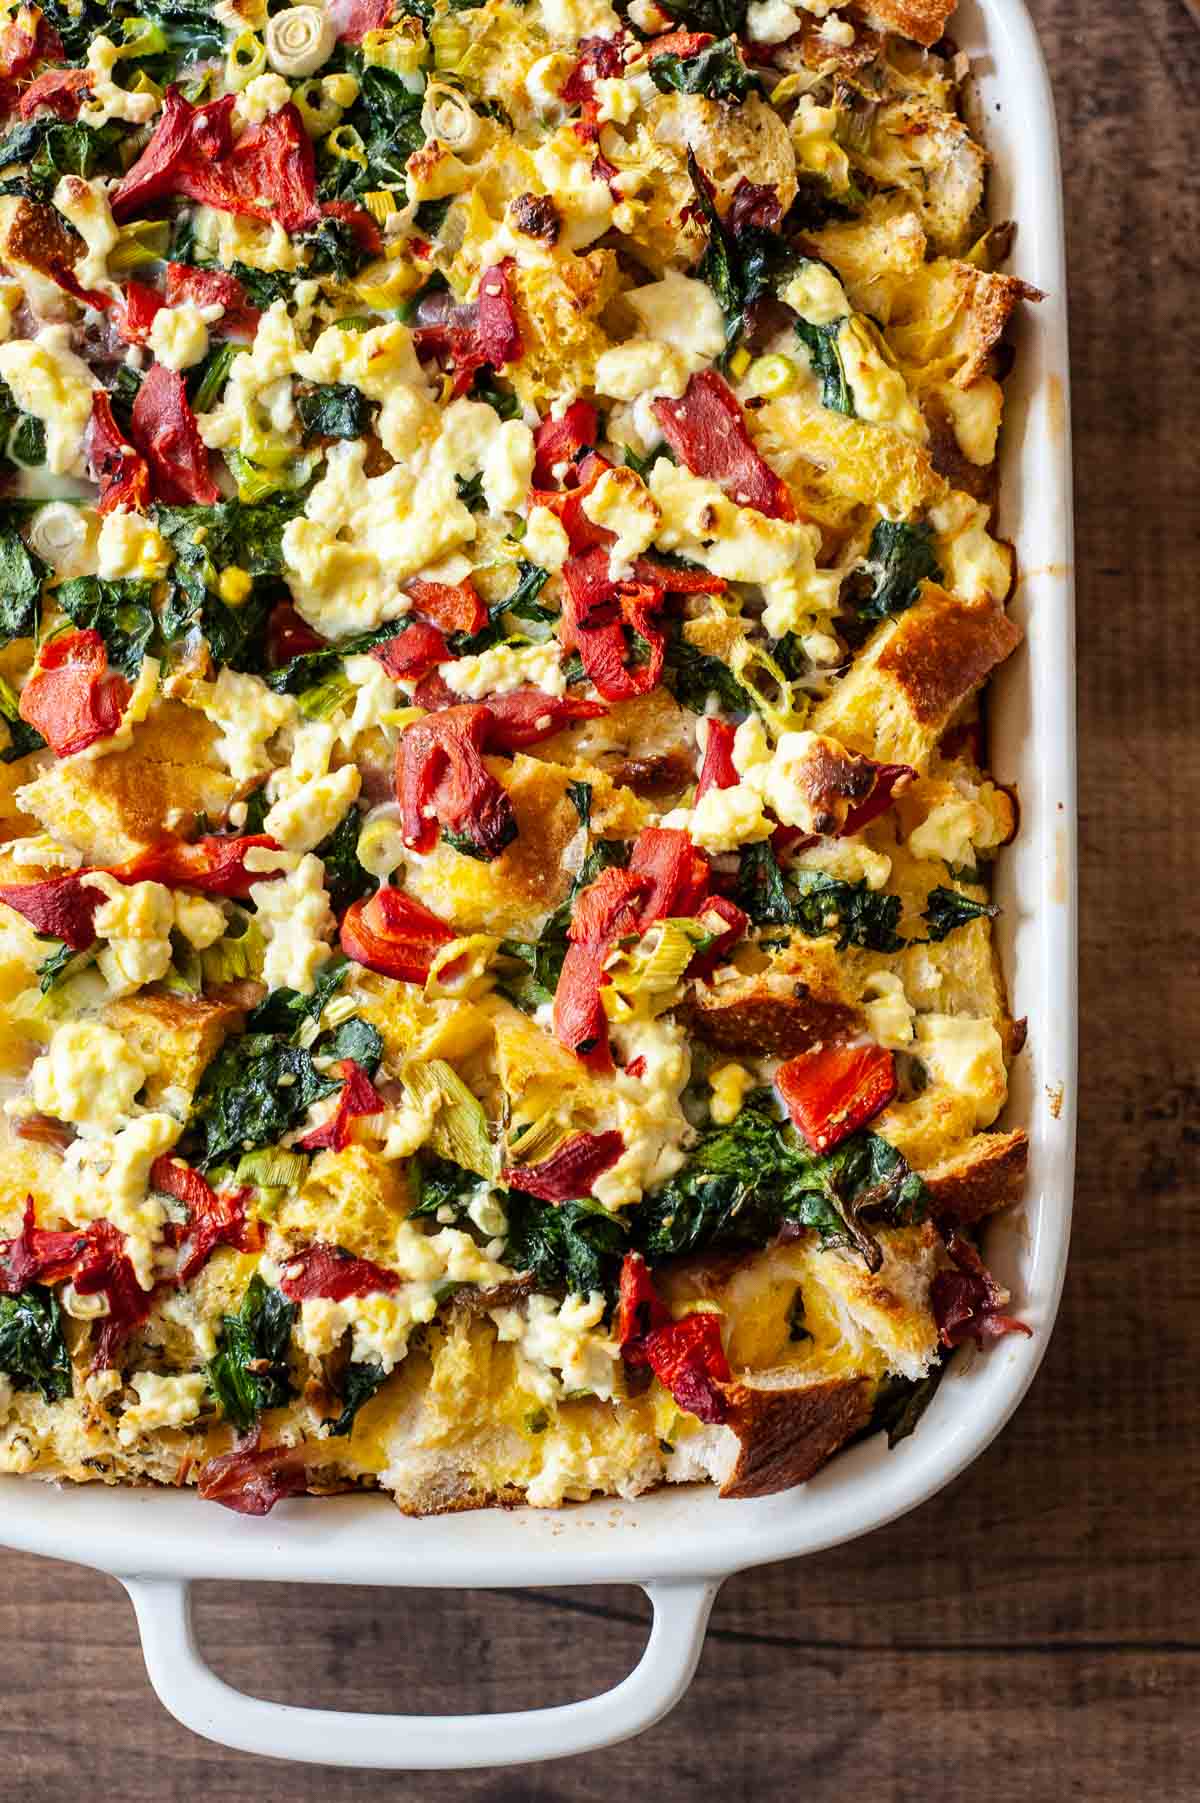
130 546
294 914
504 668
162 1402
48 380
106 1177
88 1075
967 1056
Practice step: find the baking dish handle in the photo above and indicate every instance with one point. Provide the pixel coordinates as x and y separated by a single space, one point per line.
207 1705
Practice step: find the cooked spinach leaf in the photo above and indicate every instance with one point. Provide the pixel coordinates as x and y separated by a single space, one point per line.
717 72
286 1010
741 265
22 738
33 1352
206 381
21 576
724 18
522 604
354 1038
693 675
816 903
358 1384
336 410
207 540
256 1089
572 1246
54 968
543 958
742 1182
311 669
250 1370
900 1403
821 343
119 611
387 118
946 909
442 1184
900 557
345 878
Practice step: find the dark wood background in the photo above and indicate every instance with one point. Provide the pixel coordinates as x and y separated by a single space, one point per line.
1035 1630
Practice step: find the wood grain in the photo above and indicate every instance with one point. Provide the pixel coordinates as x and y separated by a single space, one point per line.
1036 1628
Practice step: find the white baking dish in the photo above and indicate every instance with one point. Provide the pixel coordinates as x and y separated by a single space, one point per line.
680 1544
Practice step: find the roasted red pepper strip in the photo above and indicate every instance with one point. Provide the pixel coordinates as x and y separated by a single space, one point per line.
252 1478
454 606
215 865
717 770
215 1217
208 288
358 1097
834 1090
322 1270
599 618
289 635
887 777
62 907
570 1172
524 717
73 698
966 1302
599 58
367 234
60 91
558 441
686 1356
136 315
608 908
679 43
443 782
414 651
122 472
353 19
677 874
707 430
270 173
393 934
498 332
37 1255
164 430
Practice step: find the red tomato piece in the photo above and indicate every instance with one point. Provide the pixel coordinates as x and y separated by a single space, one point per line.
63 907
215 1217
834 1090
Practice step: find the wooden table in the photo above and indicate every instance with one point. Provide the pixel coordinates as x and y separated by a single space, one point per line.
1035 1630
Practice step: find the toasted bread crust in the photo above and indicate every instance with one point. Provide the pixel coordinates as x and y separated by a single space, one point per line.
786 1435
988 1173
777 1017
924 20
943 650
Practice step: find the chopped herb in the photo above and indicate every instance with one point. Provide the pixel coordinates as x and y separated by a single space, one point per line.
821 343
742 1181
571 1246
900 557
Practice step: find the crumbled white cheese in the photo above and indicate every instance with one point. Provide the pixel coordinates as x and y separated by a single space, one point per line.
772 21
129 545
179 335
647 1110
504 668
106 1178
880 391
975 566
294 914
738 543
681 312
88 1075
545 542
559 1347
968 1056
162 1402
85 204
307 812
958 827
48 380
621 503
266 94
136 919
106 99
249 715
888 1011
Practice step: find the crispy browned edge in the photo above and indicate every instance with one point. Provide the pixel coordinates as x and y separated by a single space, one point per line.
944 649
786 1435
924 20
987 1174
774 1020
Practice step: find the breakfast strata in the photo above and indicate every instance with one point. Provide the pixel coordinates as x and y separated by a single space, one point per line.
496 966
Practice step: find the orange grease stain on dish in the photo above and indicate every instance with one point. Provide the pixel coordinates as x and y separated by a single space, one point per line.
1054 1094
1058 885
